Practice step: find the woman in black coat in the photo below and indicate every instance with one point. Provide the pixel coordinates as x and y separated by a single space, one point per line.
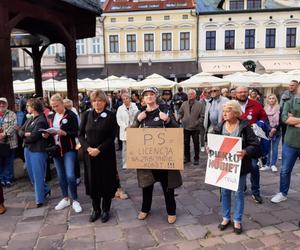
233 126
97 133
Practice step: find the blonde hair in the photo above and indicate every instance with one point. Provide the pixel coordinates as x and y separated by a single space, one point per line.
56 98
99 94
276 105
68 103
234 106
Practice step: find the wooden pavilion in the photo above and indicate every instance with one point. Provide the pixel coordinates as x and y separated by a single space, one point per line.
60 21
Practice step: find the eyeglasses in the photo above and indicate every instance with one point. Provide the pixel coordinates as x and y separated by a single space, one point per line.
214 90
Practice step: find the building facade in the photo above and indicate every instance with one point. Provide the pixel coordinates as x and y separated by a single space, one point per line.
261 34
144 37
90 58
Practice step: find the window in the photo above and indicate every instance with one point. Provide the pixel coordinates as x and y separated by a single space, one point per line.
113 20
114 44
166 17
250 39
291 37
236 4
80 47
131 43
185 16
148 18
184 40
51 50
130 19
166 42
253 4
270 38
210 40
229 39
96 45
148 42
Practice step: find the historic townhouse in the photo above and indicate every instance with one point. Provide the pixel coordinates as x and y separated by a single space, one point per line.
257 33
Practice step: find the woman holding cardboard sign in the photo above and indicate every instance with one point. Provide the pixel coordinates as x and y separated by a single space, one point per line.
156 116
233 126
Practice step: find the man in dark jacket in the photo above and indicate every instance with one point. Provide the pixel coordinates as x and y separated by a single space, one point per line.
252 111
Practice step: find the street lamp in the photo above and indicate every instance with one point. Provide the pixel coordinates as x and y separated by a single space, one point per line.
143 70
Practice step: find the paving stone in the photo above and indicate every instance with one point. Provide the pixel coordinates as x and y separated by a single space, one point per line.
126 214
209 219
33 227
86 243
50 242
297 233
141 233
286 226
188 245
270 240
286 214
265 219
288 236
193 232
253 244
113 245
34 212
213 241
167 235
108 233
186 219
254 233
79 221
213 229
4 237
53 230
232 237
22 241
270 230
233 246
79 232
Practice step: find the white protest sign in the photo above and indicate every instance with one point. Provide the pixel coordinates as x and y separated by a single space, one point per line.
223 165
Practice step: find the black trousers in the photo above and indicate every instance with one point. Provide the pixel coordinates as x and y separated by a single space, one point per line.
1 195
162 177
106 203
195 137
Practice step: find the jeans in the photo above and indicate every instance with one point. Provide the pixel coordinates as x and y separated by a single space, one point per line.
255 176
238 203
195 136
65 168
36 163
273 153
289 157
7 167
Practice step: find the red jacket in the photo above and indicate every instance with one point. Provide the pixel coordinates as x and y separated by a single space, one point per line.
254 112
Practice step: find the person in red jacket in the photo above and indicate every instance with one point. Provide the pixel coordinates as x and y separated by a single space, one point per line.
252 111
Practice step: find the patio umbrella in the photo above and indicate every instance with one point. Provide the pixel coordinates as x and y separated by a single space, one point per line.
24 87
155 80
203 80
271 80
243 79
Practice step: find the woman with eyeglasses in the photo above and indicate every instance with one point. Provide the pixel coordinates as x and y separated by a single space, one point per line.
35 149
156 116
98 129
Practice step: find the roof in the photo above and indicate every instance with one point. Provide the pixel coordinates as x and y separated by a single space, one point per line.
150 5
207 6
90 5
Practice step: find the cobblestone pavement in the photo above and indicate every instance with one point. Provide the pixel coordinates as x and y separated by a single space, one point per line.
267 226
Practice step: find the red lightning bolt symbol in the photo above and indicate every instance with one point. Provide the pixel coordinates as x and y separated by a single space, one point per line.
225 148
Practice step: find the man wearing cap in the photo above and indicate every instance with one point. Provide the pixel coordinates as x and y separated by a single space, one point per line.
166 99
8 123
191 114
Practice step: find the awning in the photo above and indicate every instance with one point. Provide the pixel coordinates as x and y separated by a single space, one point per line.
222 68
283 65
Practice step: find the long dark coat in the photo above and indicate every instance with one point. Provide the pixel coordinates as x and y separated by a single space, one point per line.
100 172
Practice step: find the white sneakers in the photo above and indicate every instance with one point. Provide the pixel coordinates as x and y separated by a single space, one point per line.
66 203
278 198
266 168
76 206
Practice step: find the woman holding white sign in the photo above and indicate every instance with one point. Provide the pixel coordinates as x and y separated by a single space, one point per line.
156 116
233 126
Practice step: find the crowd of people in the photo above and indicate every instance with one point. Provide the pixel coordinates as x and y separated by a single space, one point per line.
41 131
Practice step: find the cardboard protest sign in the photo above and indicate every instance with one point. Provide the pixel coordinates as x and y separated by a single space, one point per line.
223 165
155 148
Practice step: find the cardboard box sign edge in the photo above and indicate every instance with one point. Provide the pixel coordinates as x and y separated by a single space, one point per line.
177 135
